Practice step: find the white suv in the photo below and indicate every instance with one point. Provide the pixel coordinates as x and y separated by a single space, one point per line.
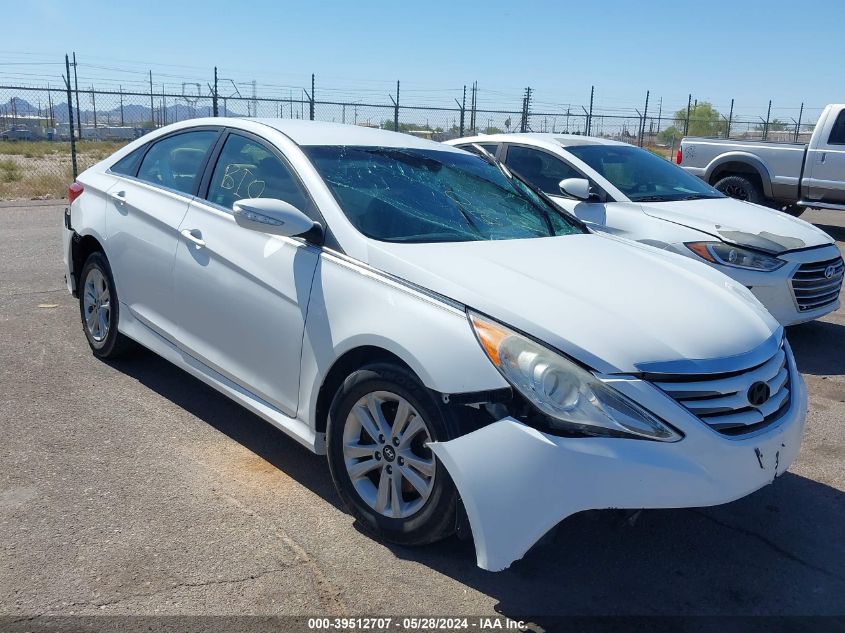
439 331
792 267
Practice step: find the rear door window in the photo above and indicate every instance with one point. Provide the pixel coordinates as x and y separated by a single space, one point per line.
175 162
540 168
837 133
490 147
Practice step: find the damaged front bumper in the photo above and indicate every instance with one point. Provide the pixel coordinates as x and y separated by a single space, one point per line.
517 482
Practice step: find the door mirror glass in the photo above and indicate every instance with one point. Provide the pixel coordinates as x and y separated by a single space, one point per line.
270 215
578 188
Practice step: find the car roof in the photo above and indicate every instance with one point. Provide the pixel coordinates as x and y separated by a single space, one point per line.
323 133
565 140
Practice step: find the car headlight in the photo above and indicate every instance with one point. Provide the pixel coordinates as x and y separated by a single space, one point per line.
728 255
571 397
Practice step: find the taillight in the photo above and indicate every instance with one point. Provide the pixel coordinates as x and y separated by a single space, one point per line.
679 156
73 192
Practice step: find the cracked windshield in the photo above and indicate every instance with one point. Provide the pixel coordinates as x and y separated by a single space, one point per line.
413 195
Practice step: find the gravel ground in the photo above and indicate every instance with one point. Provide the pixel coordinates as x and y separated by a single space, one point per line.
130 488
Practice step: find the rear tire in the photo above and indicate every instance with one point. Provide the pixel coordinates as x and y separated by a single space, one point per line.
741 188
391 483
98 308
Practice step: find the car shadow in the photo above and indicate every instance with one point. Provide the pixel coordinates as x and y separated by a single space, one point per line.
836 232
817 347
231 419
778 551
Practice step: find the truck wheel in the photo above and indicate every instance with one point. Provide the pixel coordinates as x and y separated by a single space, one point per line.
741 188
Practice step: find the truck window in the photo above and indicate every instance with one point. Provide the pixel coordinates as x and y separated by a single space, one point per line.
837 132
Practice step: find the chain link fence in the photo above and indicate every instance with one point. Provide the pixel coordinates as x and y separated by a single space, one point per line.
36 153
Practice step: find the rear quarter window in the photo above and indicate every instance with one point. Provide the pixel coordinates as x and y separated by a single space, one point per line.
128 165
176 161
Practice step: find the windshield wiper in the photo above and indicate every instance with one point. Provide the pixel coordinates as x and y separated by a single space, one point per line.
701 196
656 199
511 175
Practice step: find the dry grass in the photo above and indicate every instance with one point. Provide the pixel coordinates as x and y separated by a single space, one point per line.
42 169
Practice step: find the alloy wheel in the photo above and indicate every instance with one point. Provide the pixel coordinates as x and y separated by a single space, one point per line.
385 450
96 304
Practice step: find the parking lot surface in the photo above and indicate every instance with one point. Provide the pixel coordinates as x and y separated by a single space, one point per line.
132 488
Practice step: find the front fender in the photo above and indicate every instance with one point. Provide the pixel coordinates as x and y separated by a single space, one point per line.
745 158
352 306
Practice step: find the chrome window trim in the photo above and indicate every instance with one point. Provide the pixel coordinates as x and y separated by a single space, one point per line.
151 185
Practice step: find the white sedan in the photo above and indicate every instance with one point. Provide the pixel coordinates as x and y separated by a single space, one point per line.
792 267
444 335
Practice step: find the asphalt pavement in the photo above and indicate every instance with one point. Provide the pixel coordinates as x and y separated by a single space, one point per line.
130 488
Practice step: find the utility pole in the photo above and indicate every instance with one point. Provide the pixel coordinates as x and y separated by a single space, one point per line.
94 104
768 118
590 115
395 108
473 105
686 122
255 100
214 95
526 104
50 105
70 117
730 120
152 107
463 107
76 91
798 125
313 96
645 116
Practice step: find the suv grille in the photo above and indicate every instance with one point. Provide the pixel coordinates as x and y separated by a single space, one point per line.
723 401
812 286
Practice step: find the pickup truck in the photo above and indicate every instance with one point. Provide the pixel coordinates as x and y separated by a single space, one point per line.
786 176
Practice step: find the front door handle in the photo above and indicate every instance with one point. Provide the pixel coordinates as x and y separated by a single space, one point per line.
119 197
194 236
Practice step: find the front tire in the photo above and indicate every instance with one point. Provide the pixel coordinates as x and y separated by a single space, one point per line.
98 308
741 188
380 422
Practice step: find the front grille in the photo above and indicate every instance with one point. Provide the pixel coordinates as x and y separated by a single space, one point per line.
817 284
722 400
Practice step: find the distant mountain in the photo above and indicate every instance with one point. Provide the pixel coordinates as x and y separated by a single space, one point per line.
134 114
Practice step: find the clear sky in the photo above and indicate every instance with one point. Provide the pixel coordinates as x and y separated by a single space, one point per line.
717 50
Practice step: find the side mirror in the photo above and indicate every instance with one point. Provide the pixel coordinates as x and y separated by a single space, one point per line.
578 188
269 215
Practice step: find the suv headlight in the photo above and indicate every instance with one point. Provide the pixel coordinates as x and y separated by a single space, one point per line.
571 397
728 255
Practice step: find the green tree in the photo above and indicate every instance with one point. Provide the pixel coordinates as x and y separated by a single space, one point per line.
775 125
704 120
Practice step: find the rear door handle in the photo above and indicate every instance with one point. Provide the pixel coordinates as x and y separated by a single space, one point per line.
194 236
119 197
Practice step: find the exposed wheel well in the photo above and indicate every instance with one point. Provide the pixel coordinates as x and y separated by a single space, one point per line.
352 360
81 248
736 168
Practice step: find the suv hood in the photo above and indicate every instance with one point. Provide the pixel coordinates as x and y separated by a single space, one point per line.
608 302
741 223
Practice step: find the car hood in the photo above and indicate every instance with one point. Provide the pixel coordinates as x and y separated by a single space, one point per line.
741 223
608 302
